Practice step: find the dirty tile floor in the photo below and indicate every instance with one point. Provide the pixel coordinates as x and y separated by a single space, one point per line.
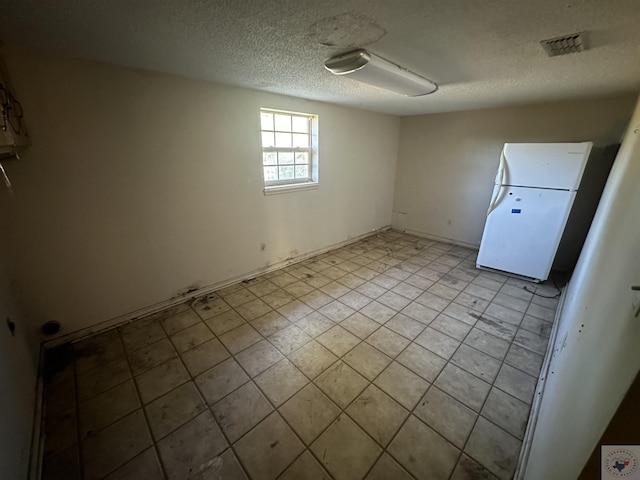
390 358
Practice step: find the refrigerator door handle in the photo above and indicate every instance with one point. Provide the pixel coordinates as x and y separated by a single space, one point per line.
502 170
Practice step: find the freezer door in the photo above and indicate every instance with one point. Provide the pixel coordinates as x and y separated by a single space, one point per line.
522 232
544 165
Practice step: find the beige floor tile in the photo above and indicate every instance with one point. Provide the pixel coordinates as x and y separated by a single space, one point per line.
314 324
138 334
174 409
420 313
446 415
494 448
261 287
104 409
152 355
462 313
409 448
191 337
439 343
507 412
341 383
270 323
338 340
468 469
204 440
451 327
299 288
305 468
144 466
503 313
309 412
541 312
384 281
253 309
360 325
225 322
240 338
407 290
498 328
419 282
224 467
278 298
536 325
289 339
402 385
204 356
405 326
482 292
209 306
312 359
241 410
378 414
316 299
161 379
476 304
317 280
336 311
387 341
281 381
524 360
513 303
475 362
295 310
221 380
422 362
97 350
179 321
487 343
110 448
61 431
239 297
378 312
516 383
268 449
367 361
463 386
345 450
433 301
257 358
371 290
531 341
386 468
98 380
394 300
355 300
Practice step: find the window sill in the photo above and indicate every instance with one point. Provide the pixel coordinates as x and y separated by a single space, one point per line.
278 189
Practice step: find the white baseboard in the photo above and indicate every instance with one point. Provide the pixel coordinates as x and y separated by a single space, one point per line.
157 307
523 459
452 241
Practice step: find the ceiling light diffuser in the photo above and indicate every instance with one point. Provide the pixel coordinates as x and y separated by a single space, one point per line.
366 67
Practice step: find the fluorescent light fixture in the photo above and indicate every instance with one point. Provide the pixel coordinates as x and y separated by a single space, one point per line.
366 67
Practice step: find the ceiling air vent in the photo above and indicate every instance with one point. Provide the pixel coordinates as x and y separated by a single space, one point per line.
574 43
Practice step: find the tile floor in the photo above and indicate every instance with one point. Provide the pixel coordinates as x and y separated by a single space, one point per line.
391 358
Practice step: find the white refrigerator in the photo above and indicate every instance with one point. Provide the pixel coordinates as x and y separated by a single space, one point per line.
533 192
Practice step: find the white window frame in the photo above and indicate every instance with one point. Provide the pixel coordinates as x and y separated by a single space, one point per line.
288 185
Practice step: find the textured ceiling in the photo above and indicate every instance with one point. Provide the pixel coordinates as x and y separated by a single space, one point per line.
481 53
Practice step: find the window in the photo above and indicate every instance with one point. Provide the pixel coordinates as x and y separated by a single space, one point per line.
289 149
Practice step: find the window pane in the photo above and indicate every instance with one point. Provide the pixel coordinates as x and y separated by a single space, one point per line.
270 174
269 158
302 171
286 173
300 140
267 139
283 140
302 157
300 124
266 121
283 122
285 158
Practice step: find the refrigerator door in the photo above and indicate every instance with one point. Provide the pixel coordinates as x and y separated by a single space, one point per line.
522 232
543 165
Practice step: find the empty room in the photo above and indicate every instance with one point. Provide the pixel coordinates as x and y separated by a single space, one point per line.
319 240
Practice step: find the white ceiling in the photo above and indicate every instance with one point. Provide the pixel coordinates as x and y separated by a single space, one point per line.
481 53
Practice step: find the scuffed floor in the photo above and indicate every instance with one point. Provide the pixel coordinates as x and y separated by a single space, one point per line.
391 358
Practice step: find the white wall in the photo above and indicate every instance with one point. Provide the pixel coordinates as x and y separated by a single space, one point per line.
446 162
139 185
595 357
17 384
